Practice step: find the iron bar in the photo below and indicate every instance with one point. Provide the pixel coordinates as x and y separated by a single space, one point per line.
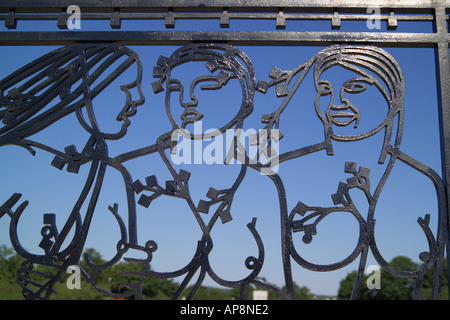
232 37
143 5
240 16
443 84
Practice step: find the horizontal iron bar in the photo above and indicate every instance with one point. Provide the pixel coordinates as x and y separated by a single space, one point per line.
233 37
205 5
243 16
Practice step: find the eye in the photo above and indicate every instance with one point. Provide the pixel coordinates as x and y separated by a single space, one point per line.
324 88
354 87
214 82
211 85
175 85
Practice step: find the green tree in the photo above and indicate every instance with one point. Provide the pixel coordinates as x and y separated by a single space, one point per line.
209 293
395 288
119 277
109 279
235 293
300 293
428 283
346 286
9 264
392 287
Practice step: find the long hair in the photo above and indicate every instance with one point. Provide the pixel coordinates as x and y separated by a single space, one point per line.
27 96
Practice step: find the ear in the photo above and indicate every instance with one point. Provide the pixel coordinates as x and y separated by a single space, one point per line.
247 106
157 86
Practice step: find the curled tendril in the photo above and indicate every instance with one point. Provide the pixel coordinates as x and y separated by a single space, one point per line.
251 263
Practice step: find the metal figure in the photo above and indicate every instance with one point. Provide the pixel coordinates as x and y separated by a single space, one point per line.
371 66
221 64
68 76
69 73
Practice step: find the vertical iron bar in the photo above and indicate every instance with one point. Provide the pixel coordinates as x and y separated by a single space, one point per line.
360 274
443 85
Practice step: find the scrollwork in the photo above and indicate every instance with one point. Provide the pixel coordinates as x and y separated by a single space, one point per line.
63 82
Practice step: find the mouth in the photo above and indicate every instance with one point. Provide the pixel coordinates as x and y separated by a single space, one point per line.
190 116
343 115
126 113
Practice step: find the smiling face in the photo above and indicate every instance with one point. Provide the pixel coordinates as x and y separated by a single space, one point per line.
349 103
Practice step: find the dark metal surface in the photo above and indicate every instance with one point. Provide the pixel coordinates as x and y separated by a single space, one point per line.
142 5
369 62
69 73
232 37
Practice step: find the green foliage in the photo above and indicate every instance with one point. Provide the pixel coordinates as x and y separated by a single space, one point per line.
113 279
392 287
302 293
110 279
208 293
9 264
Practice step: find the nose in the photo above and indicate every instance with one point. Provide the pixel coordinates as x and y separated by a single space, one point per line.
338 101
135 98
190 103
191 100
338 107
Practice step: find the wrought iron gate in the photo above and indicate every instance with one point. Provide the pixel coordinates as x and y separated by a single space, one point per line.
66 81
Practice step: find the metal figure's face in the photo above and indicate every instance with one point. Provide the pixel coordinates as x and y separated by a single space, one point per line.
349 103
90 80
193 93
134 98
120 102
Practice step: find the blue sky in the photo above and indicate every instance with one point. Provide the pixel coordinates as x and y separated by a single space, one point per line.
312 179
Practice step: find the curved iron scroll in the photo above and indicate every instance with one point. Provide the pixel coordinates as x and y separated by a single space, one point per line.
69 75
